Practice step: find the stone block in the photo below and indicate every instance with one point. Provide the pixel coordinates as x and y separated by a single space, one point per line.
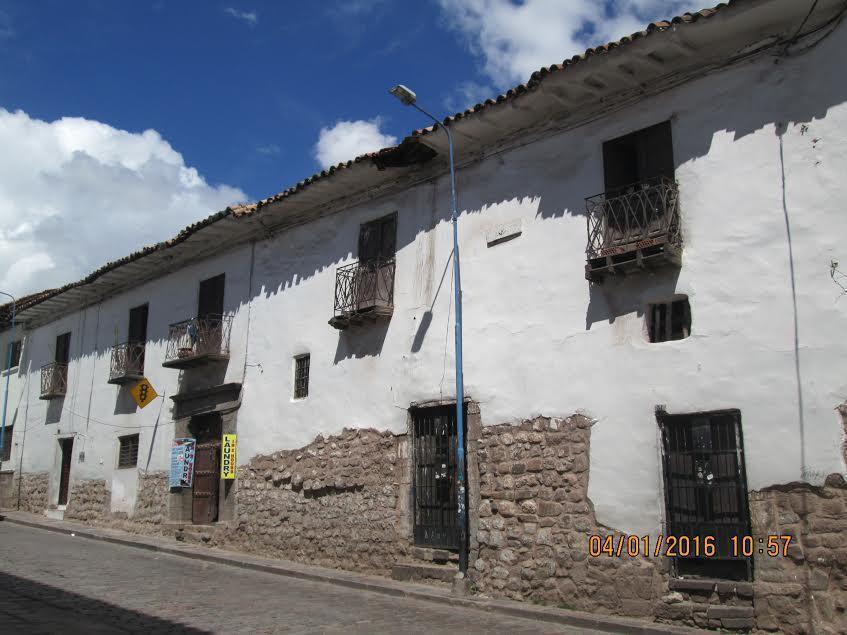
535 465
546 508
738 623
819 579
506 509
637 608
723 612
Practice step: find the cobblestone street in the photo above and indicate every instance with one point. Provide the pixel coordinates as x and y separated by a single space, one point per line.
54 583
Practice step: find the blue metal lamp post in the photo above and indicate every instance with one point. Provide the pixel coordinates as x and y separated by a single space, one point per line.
408 98
8 372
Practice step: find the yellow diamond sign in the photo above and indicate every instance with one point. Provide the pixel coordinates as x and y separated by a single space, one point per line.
143 392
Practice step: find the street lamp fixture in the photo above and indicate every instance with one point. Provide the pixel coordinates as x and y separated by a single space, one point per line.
408 97
405 95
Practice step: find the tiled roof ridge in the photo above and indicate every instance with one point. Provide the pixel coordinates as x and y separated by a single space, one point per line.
248 209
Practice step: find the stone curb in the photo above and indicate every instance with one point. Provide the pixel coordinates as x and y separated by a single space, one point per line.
362 582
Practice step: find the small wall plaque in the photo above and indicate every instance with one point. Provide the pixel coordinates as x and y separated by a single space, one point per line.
502 233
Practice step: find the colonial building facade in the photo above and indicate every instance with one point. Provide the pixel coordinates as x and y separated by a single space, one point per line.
655 423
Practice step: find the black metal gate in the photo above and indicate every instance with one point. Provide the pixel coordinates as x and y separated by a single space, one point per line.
434 488
706 490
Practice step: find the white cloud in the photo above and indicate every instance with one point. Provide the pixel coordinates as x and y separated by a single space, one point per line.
250 17
76 193
348 139
469 94
270 148
516 39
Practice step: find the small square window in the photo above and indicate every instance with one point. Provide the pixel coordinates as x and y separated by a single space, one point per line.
668 321
14 351
128 454
301 377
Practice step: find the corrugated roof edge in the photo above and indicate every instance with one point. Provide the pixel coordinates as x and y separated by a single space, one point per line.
238 211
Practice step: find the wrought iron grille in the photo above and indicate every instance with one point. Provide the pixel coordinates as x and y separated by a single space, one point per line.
301 376
435 488
363 286
706 488
206 336
54 380
634 217
127 360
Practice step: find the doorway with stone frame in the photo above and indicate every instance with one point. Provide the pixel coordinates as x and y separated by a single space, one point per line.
205 415
206 430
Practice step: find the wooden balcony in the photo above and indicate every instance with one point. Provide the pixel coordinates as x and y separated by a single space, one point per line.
198 341
364 292
54 381
633 228
127 363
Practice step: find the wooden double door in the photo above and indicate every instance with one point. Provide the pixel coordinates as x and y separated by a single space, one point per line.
207 469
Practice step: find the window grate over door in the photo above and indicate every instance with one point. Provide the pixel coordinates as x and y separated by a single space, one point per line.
706 489
436 521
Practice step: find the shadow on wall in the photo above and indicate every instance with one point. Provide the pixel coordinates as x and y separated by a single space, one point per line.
54 410
426 318
364 340
622 295
124 403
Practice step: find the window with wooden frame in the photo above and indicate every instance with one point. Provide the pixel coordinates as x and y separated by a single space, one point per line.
128 453
6 452
301 376
13 354
378 240
668 321
639 156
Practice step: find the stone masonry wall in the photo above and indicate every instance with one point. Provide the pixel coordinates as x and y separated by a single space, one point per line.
33 490
535 519
807 591
333 503
89 500
343 501
150 514
151 501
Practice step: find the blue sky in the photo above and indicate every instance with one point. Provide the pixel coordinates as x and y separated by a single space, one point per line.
240 100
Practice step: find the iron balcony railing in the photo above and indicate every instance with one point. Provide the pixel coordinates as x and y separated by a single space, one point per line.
127 362
54 380
363 288
197 340
637 217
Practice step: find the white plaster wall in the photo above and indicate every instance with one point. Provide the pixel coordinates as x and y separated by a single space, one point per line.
538 338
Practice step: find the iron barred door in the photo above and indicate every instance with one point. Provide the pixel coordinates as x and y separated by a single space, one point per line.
706 489
435 489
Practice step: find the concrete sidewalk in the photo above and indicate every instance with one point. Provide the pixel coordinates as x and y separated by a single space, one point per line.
348 579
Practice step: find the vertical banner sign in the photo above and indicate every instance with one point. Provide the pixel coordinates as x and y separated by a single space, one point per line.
228 457
182 463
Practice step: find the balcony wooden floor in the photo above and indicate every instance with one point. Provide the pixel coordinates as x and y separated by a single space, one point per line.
632 258
52 395
126 378
192 361
364 316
